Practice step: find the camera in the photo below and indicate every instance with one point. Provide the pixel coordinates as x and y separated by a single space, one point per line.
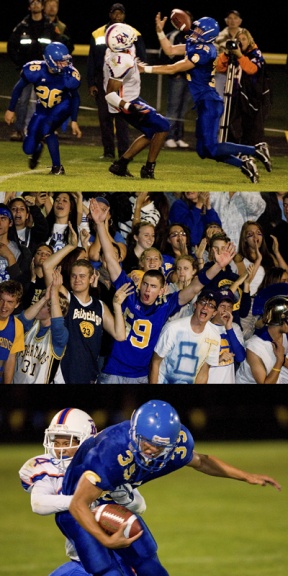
232 45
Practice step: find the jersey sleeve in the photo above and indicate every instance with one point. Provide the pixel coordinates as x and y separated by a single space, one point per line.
18 344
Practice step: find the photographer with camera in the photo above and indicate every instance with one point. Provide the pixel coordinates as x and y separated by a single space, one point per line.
250 95
233 23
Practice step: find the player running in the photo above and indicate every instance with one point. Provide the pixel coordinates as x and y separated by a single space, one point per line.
200 55
154 443
56 84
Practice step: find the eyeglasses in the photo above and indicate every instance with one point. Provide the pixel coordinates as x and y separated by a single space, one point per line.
174 234
207 303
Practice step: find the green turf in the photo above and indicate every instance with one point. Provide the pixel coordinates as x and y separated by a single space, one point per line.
175 171
204 526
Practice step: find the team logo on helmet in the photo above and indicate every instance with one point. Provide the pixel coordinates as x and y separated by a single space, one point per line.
120 37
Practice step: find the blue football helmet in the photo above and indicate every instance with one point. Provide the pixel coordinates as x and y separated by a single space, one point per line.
209 30
158 423
57 57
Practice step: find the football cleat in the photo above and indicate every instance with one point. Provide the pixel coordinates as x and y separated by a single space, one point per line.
119 170
147 172
34 159
263 154
57 170
249 168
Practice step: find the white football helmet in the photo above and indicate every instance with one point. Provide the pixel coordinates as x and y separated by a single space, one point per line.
72 423
120 37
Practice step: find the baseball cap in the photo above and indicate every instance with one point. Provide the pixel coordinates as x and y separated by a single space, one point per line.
224 294
234 12
103 200
6 212
117 7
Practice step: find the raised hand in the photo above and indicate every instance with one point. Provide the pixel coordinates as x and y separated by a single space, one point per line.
121 294
160 23
225 257
98 214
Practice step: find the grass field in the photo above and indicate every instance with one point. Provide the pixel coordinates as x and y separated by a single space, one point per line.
175 172
204 526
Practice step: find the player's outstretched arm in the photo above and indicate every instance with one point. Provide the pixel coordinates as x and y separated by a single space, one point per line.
168 48
215 467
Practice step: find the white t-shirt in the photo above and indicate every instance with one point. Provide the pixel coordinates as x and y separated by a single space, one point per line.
225 373
184 351
263 349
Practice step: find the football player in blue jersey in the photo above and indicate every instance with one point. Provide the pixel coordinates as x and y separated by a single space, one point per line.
56 84
154 443
199 63
145 310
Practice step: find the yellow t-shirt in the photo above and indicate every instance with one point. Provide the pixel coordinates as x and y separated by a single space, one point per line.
18 344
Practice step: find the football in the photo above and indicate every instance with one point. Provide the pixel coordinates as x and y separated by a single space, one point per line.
180 20
111 516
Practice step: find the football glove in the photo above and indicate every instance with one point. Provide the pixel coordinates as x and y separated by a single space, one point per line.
137 109
123 494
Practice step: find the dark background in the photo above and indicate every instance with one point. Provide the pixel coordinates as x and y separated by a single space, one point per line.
266 23
214 413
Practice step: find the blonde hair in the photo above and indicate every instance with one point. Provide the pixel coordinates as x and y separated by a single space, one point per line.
251 41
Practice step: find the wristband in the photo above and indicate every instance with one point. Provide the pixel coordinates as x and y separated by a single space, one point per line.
202 277
276 369
148 69
114 99
126 106
161 35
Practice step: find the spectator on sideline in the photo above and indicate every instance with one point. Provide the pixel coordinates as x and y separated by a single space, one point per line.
194 209
11 329
232 349
31 224
146 311
235 208
233 21
15 258
51 9
251 98
188 346
44 327
95 79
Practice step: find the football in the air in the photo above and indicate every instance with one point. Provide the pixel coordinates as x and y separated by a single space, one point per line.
180 20
111 516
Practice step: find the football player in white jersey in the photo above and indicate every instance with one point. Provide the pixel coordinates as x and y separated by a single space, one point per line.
122 84
42 477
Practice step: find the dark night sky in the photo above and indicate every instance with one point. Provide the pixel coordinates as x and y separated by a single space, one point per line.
265 23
